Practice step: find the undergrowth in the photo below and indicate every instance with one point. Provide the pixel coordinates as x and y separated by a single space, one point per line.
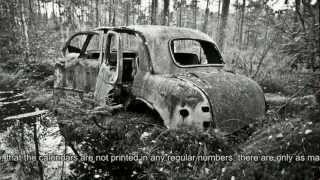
129 133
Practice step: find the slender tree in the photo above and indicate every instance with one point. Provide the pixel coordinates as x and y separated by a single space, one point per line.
97 13
115 5
206 16
195 8
25 30
165 17
180 14
110 12
224 20
127 13
243 7
218 14
154 13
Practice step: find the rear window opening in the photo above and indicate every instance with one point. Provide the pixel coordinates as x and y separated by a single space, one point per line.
193 52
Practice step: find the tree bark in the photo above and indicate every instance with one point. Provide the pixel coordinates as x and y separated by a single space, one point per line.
114 14
218 17
127 15
242 22
97 13
39 8
206 16
30 7
224 21
195 6
36 144
110 12
237 24
25 31
54 12
180 14
165 17
62 40
133 5
154 9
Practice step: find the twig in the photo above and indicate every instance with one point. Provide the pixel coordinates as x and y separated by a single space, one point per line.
161 134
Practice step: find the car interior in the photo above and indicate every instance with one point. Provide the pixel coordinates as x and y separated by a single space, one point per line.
129 58
186 58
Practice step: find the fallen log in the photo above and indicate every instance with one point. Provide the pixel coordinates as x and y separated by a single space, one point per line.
11 97
13 102
105 110
26 115
278 100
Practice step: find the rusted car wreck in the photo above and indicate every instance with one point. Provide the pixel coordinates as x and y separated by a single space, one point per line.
177 72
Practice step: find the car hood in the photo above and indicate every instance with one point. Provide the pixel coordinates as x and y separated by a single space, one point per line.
235 100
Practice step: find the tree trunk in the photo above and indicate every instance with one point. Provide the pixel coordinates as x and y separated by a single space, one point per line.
54 12
45 11
237 24
206 16
69 14
180 15
31 16
60 21
133 12
39 8
30 7
241 22
97 13
154 9
36 144
114 14
127 15
224 21
218 17
25 31
195 6
165 17
110 12
105 10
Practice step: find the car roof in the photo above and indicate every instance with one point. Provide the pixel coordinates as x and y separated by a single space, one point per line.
157 39
152 32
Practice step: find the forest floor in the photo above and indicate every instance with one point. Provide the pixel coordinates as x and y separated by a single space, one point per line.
284 145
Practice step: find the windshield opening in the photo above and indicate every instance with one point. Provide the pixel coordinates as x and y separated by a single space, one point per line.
190 52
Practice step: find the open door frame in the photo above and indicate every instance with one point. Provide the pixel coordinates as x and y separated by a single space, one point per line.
108 80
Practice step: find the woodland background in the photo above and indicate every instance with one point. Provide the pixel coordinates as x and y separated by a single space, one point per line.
275 42
259 38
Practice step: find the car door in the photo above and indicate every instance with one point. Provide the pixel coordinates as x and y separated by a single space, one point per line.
80 63
110 73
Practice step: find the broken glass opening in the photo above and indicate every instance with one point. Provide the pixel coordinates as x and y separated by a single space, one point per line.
189 52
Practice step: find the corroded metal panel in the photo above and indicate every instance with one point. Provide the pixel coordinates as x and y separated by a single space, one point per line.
157 40
178 102
78 74
236 100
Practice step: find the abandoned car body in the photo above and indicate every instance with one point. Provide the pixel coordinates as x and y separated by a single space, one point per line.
178 72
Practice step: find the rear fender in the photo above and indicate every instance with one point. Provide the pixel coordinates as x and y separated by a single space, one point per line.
177 102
